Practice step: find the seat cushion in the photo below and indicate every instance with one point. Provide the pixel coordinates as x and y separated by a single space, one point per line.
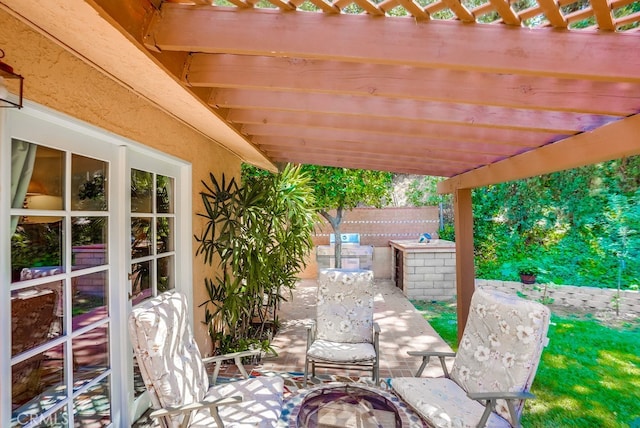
339 352
442 403
260 408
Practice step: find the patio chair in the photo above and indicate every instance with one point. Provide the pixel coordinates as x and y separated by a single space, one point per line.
343 334
492 371
175 376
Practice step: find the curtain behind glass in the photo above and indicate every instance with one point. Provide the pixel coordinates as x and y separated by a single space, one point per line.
23 156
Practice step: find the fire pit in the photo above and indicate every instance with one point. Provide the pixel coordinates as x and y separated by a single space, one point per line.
348 406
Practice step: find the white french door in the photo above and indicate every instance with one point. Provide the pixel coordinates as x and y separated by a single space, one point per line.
93 228
155 206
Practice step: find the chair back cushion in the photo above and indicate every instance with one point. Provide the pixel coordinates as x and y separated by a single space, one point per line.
345 306
168 357
501 345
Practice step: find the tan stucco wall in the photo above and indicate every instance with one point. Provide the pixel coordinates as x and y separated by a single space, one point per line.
61 81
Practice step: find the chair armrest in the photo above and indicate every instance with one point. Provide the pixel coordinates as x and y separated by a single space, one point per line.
191 408
311 332
491 399
426 356
236 357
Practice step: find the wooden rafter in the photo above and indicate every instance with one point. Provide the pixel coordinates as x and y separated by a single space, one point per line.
488 48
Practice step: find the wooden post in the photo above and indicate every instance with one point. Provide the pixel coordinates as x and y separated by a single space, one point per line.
465 269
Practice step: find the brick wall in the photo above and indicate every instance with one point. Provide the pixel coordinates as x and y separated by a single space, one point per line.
378 226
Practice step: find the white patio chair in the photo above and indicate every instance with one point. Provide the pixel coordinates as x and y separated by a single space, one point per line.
344 334
492 371
175 376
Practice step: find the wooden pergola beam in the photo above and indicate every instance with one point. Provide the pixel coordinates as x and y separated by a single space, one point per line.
613 141
394 126
431 44
347 78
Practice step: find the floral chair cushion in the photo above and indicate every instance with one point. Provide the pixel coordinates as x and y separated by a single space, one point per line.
168 357
341 352
501 345
174 372
345 306
443 403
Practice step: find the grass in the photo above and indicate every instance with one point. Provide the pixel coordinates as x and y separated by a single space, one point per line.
589 375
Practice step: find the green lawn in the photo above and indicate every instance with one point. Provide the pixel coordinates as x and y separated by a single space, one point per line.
589 375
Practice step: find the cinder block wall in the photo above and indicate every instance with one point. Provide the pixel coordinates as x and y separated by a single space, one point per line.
587 298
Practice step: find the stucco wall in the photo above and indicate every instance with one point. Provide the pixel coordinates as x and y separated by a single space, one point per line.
59 80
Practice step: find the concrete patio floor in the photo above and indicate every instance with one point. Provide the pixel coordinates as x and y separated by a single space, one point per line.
402 327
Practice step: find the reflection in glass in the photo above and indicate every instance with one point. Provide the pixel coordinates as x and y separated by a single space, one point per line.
166 274
36 171
88 184
141 191
164 234
34 247
36 316
140 237
140 281
89 242
90 299
92 408
90 355
37 384
164 194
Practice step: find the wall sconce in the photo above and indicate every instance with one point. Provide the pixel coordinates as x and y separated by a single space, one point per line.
6 73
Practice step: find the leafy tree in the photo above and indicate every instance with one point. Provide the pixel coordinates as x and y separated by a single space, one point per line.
259 234
578 225
342 189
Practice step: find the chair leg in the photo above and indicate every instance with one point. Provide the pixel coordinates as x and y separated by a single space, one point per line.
306 372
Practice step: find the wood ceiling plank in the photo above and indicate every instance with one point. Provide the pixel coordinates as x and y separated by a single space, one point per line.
433 111
507 90
602 12
361 38
374 156
613 141
290 144
414 9
336 161
369 7
507 14
461 12
552 13
357 137
387 126
326 7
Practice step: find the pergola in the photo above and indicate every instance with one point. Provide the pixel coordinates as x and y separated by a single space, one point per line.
480 92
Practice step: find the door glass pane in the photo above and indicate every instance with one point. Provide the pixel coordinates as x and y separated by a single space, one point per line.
164 193
37 176
92 408
140 281
88 184
164 234
37 384
166 276
140 237
90 299
36 316
141 191
36 248
90 355
89 242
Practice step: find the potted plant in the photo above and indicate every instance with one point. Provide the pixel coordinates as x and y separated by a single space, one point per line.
528 270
